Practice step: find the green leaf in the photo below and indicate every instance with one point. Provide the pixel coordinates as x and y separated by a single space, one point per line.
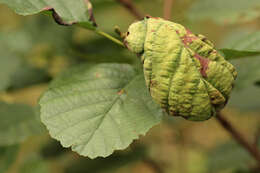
223 11
257 83
229 155
18 122
8 65
243 45
34 164
235 54
96 109
248 74
69 11
7 156
109 164
247 66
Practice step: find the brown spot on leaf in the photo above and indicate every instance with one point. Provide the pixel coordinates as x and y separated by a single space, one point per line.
188 32
47 8
121 92
188 38
153 83
98 75
204 63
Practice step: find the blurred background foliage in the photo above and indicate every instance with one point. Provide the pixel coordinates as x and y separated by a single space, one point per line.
34 49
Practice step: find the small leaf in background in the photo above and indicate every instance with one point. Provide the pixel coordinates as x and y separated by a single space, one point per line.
257 83
225 11
228 156
96 109
18 122
8 155
245 44
67 11
34 164
110 164
8 65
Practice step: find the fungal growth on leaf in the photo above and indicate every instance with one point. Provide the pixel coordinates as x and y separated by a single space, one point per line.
183 71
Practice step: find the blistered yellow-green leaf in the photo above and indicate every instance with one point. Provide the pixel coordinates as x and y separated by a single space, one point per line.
183 71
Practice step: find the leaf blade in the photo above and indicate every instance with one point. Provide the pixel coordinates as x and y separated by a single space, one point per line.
233 11
110 108
69 11
18 122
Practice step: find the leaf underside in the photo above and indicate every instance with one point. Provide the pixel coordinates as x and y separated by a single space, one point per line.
69 12
96 109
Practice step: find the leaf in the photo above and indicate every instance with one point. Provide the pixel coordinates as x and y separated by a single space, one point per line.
18 122
8 64
226 156
223 11
235 54
35 164
257 83
64 11
241 42
109 164
28 63
96 109
243 46
7 156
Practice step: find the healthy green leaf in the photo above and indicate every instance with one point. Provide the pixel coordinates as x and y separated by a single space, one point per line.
18 122
235 54
257 83
228 156
23 64
243 45
109 164
34 164
69 11
248 74
96 109
7 156
223 11
8 64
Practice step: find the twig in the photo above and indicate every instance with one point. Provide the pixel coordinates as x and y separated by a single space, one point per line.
156 167
131 8
252 149
167 10
257 136
110 37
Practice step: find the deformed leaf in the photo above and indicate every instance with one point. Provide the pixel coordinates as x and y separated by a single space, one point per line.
18 122
96 109
223 11
184 73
